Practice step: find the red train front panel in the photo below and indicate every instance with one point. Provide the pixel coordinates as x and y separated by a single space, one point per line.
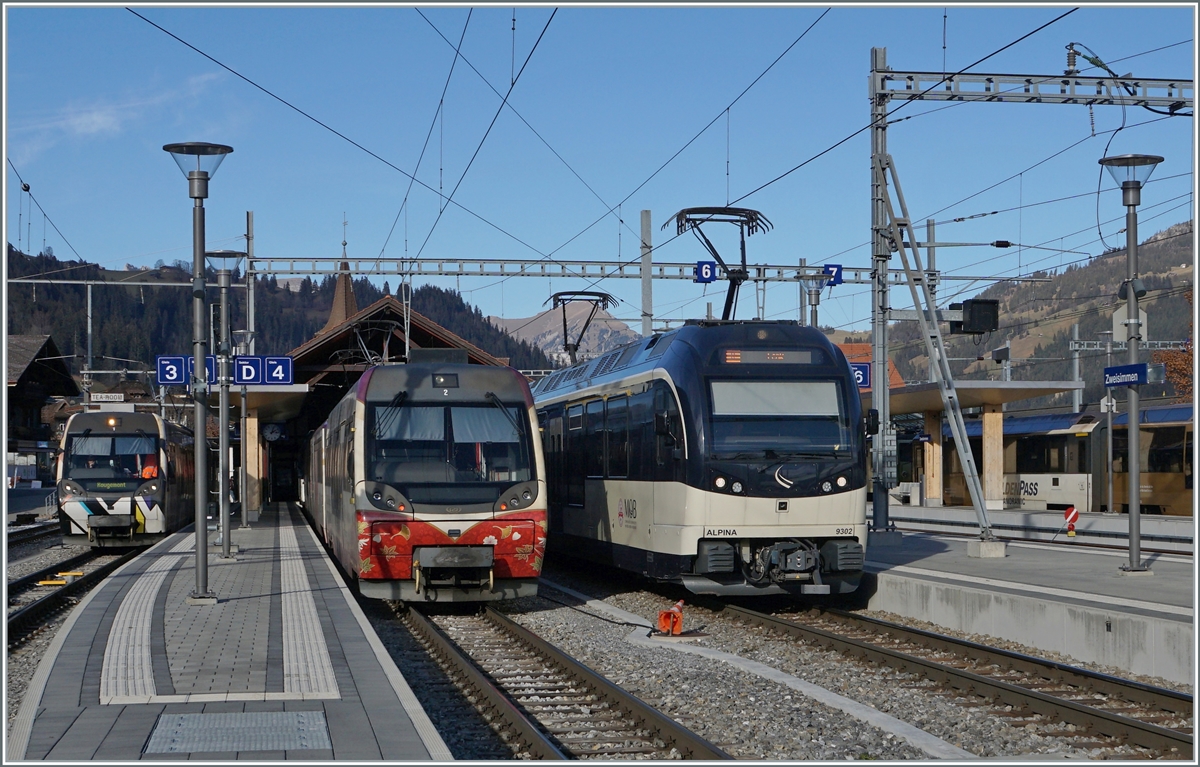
386 544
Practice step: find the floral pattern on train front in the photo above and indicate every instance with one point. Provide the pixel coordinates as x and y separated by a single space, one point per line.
385 544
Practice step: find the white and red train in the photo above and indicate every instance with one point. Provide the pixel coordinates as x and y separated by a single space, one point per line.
427 483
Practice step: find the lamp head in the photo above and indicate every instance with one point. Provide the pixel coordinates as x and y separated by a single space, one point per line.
1127 168
201 156
224 255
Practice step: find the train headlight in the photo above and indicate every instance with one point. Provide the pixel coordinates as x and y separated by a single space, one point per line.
528 496
826 486
377 495
736 486
513 502
841 481
720 483
391 502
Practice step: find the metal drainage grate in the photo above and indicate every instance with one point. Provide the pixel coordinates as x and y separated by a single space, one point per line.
266 731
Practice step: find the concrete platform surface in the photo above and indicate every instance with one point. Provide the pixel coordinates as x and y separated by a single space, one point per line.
1055 597
283 666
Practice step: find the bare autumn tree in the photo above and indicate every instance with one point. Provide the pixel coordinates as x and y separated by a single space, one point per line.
1179 366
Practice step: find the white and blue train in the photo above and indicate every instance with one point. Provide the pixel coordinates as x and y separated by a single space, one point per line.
726 456
124 478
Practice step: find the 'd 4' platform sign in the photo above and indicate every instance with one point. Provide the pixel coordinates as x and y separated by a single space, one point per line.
252 370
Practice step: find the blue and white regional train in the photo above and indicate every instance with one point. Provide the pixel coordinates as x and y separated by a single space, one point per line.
124 478
727 456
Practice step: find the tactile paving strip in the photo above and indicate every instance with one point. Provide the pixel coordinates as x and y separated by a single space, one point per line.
262 731
127 670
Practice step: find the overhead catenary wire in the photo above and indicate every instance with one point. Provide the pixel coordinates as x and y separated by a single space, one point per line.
902 106
871 124
669 160
487 132
428 136
337 133
520 117
39 206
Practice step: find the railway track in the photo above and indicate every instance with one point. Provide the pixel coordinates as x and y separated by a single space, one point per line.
1097 710
31 615
547 704
34 533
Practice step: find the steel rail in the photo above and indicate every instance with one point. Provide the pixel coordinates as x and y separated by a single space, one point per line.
1098 720
532 738
688 743
23 621
43 530
1169 700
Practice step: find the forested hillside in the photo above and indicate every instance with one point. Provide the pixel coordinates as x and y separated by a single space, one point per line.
141 322
1036 318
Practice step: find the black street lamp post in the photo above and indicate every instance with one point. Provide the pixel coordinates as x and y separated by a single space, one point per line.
224 278
199 161
1130 171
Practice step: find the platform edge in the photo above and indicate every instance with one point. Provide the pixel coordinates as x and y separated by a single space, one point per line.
430 738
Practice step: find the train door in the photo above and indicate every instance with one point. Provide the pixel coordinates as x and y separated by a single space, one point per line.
322 453
595 502
552 444
573 468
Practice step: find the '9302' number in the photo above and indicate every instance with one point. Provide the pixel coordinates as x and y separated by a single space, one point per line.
845 531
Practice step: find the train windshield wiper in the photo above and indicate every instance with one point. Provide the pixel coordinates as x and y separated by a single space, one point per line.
496 401
392 412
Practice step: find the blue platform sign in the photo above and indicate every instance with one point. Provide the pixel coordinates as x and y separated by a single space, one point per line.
171 370
1126 375
835 274
247 370
706 271
210 367
862 374
277 370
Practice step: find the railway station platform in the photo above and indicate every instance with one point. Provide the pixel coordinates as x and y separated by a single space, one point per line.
1055 597
283 666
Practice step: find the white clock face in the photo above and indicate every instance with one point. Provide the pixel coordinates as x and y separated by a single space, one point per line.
272 432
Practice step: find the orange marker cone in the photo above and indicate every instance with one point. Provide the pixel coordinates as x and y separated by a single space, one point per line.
671 621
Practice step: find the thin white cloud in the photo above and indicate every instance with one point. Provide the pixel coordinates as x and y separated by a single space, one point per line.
101 117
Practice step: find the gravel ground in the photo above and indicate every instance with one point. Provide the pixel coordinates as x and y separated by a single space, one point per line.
753 718
23 662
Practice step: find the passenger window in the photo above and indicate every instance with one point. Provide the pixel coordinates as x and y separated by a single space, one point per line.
617 428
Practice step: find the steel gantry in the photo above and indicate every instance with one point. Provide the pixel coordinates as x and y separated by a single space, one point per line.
886 85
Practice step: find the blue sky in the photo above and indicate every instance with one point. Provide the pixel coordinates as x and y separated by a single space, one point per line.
92 93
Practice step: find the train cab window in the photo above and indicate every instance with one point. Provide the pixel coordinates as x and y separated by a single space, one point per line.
489 444
757 417
112 457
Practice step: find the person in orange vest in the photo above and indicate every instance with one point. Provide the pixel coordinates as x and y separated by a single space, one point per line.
150 468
